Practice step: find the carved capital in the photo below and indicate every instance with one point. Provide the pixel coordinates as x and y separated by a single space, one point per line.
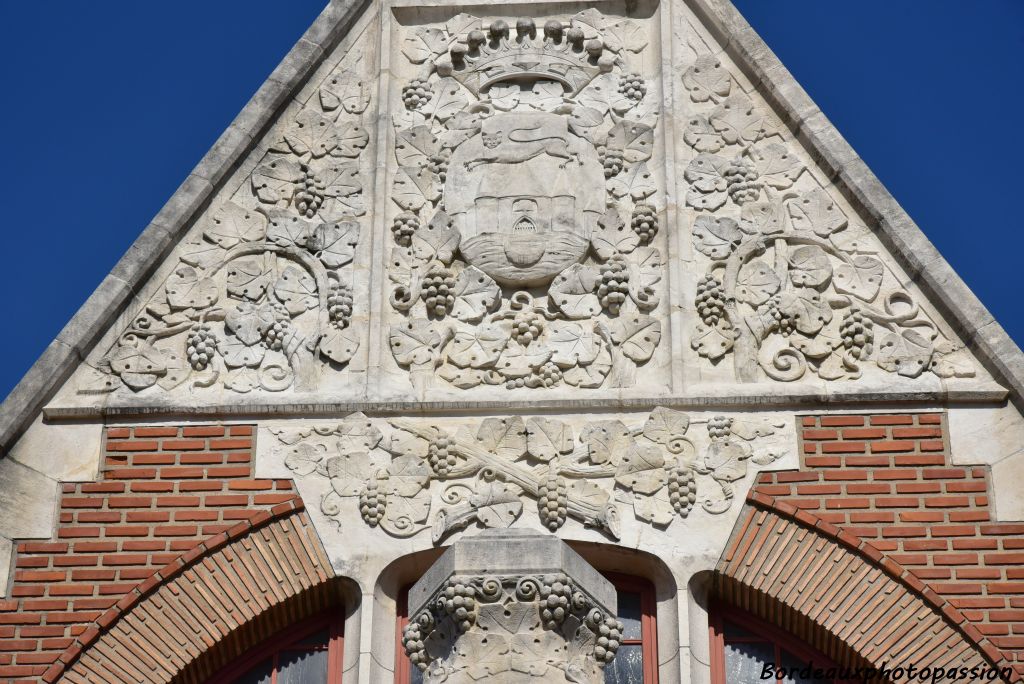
513 607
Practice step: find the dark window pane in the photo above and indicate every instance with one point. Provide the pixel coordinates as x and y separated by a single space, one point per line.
261 674
629 613
302 668
744 662
732 630
628 666
318 638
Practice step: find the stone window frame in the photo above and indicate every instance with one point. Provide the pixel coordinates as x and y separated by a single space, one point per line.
636 584
333 619
778 637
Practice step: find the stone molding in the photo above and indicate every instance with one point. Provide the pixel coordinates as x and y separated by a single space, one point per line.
277 552
789 571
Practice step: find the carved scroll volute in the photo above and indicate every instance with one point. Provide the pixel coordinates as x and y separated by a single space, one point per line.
484 611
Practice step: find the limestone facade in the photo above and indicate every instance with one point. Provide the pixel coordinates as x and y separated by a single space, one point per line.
598 276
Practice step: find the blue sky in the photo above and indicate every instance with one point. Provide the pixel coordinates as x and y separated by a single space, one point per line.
109 104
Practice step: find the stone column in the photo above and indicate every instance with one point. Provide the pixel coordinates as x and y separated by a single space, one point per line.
512 606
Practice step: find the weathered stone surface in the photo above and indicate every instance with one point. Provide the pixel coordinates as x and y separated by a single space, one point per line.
29 502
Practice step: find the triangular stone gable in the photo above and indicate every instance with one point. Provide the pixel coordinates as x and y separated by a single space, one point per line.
530 204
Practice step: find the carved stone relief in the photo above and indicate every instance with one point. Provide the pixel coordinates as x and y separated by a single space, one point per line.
791 288
512 624
263 299
526 249
407 474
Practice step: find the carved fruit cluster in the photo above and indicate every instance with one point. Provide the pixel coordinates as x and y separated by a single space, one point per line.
310 194
858 333
555 600
416 93
527 327
612 160
438 291
710 300
201 346
782 321
632 86
682 490
403 227
440 457
553 501
371 503
741 179
276 336
412 640
645 221
609 636
459 601
339 305
438 164
614 287
719 427
547 375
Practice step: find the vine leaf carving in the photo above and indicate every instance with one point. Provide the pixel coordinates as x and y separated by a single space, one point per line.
654 508
249 321
713 342
296 289
241 380
407 475
478 347
346 90
139 366
414 342
233 224
201 254
593 374
605 440
701 135
637 182
816 212
334 243
951 361
716 236
707 185
402 513
862 279
186 289
761 218
810 266
626 35
437 240
776 165
547 438
249 278
476 293
756 283
664 425
517 361
351 139
286 229
633 139
237 353
305 457
274 179
414 145
414 187
496 505
312 133
449 98
573 344
637 335
339 345
807 309
505 437
738 120
348 472
613 236
906 352
642 469
707 79
573 292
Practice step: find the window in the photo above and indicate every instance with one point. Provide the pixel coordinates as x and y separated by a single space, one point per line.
741 646
306 653
636 661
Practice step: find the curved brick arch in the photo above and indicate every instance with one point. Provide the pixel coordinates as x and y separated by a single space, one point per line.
841 595
209 606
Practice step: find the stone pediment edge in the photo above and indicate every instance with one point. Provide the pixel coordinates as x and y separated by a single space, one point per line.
897 231
172 222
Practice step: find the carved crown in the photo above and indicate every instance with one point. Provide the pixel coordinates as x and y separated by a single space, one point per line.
480 59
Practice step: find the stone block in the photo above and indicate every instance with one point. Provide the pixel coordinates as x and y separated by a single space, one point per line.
29 502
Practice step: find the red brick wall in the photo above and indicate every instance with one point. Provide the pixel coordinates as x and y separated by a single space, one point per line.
887 480
162 491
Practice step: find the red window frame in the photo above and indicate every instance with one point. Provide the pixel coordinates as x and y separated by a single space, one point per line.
764 632
648 640
333 619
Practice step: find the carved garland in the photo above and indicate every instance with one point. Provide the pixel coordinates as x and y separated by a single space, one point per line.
483 478
545 621
788 290
505 286
264 297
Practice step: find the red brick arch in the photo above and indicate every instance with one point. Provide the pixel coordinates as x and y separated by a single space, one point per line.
208 606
